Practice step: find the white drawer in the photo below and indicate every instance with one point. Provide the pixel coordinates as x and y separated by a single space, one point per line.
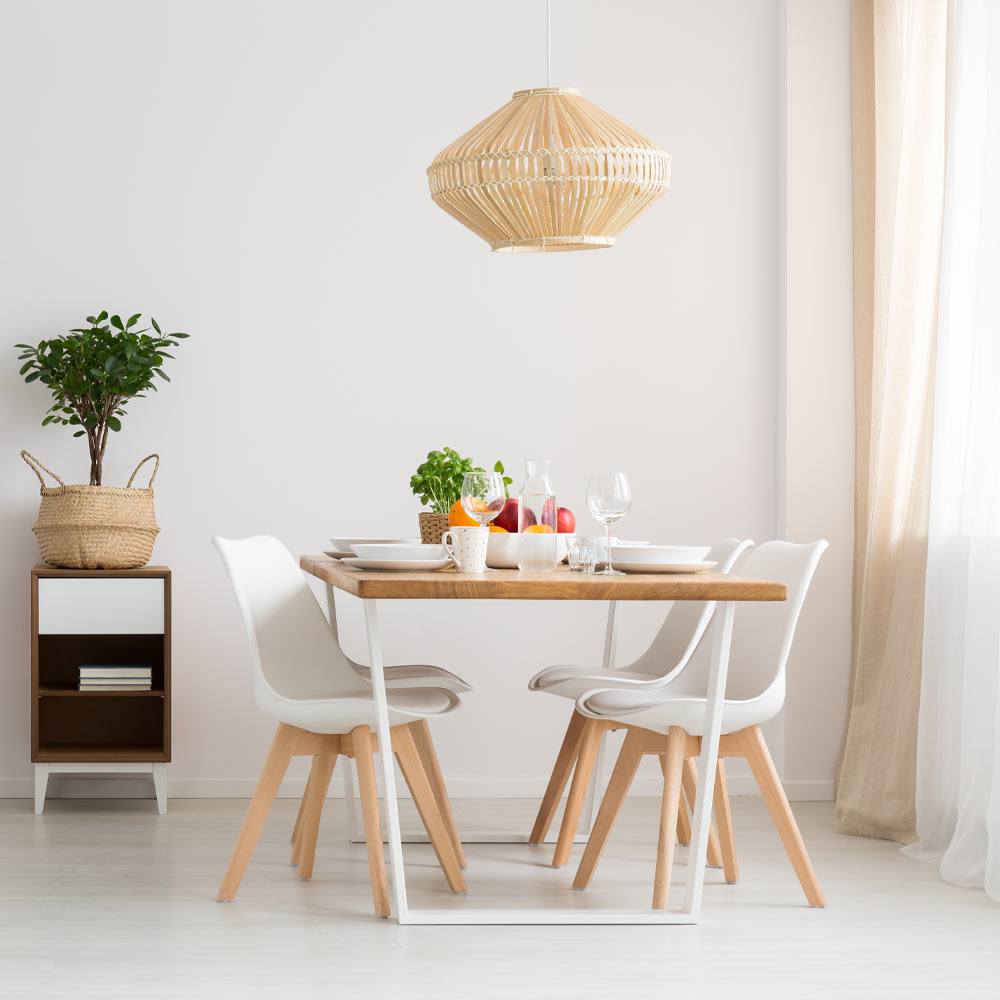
93 606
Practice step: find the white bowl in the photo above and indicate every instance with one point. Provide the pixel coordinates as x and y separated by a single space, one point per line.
501 549
659 553
399 551
346 544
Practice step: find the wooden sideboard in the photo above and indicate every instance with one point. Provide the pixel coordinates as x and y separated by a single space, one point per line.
108 617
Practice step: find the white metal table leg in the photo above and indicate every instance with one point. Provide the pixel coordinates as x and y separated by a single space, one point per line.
722 627
354 834
689 914
608 663
386 760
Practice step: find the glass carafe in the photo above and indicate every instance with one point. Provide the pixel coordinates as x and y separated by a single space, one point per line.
537 540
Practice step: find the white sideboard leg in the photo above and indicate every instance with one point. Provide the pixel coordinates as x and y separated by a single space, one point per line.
160 785
41 783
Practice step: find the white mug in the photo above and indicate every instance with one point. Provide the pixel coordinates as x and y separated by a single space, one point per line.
467 546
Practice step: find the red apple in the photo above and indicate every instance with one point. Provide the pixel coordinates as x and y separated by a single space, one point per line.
565 521
507 518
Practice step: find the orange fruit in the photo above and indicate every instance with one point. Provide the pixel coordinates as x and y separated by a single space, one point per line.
540 529
457 518
498 529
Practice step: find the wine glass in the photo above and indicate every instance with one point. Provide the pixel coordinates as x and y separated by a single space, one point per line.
609 498
483 496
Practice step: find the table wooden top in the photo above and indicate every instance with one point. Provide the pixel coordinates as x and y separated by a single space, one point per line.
560 585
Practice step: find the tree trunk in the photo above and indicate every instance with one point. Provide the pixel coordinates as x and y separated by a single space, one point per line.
95 460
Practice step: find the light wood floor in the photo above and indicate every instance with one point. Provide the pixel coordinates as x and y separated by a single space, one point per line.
104 899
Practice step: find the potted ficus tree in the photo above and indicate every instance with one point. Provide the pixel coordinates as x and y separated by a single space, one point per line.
92 372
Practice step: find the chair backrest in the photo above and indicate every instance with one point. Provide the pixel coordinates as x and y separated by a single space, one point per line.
686 621
762 630
295 653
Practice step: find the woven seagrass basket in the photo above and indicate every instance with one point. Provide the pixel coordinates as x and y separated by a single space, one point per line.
432 527
95 527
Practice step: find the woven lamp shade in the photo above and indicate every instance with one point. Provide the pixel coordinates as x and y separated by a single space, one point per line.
548 171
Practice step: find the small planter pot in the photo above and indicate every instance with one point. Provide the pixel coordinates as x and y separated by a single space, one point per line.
432 527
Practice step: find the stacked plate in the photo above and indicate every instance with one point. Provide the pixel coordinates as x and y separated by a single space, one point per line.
389 553
652 558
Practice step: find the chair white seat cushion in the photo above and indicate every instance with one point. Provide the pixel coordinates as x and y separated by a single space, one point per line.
419 675
570 681
656 710
341 712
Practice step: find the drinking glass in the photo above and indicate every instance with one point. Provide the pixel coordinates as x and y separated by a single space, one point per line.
582 554
609 498
483 496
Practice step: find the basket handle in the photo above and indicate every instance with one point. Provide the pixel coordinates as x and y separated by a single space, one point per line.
156 468
37 468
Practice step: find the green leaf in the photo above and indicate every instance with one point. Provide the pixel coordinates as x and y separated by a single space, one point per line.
48 420
114 423
103 316
25 367
116 322
156 326
132 320
162 374
33 376
79 434
183 336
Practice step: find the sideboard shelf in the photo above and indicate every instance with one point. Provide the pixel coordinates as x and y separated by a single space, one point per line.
108 618
57 691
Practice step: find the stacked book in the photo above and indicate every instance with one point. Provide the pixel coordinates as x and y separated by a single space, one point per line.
94 677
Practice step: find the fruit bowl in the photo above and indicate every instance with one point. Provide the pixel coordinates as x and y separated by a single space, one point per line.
501 550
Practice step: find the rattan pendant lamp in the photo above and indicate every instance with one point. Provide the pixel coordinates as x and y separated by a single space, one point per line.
548 171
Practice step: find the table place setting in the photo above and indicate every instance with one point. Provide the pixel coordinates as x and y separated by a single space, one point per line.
485 528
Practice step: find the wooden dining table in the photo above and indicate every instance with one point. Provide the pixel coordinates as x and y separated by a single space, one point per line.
373 586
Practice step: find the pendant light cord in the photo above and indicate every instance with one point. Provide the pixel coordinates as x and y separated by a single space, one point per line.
548 43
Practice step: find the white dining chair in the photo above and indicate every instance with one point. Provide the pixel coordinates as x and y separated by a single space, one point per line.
667 720
398 676
666 657
325 709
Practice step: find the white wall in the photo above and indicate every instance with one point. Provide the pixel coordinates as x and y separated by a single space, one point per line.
253 173
816 457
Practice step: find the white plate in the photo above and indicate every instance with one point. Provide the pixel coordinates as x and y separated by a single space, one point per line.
651 553
405 552
645 567
414 565
342 546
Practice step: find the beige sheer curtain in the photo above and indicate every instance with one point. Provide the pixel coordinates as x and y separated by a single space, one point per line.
899 54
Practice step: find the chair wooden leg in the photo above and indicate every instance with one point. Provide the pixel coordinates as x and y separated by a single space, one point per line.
312 813
714 857
297 829
273 771
766 775
430 815
683 820
425 747
368 792
724 818
672 785
590 740
621 780
557 780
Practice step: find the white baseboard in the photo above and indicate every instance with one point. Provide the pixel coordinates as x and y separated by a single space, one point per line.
89 787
